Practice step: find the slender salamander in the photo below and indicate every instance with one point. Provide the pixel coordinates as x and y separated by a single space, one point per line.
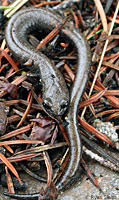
17 31
55 91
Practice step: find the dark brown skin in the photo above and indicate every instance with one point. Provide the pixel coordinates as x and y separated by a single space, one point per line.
3 118
49 19
55 91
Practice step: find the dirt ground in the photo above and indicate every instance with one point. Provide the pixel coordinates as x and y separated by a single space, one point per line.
108 180
84 189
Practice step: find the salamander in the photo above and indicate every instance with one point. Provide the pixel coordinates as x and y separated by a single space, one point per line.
17 30
55 91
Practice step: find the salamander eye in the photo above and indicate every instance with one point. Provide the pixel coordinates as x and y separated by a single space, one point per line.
2 121
46 105
64 105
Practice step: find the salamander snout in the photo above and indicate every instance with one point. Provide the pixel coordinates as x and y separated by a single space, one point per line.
56 108
64 105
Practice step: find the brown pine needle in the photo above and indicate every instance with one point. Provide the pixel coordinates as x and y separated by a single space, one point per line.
10 166
26 112
52 34
95 131
102 56
16 132
102 14
12 142
9 181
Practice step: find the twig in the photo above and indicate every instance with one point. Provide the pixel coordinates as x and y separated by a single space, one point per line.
102 14
16 4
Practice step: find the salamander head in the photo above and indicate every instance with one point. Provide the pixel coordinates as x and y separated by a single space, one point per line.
55 93
57 107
